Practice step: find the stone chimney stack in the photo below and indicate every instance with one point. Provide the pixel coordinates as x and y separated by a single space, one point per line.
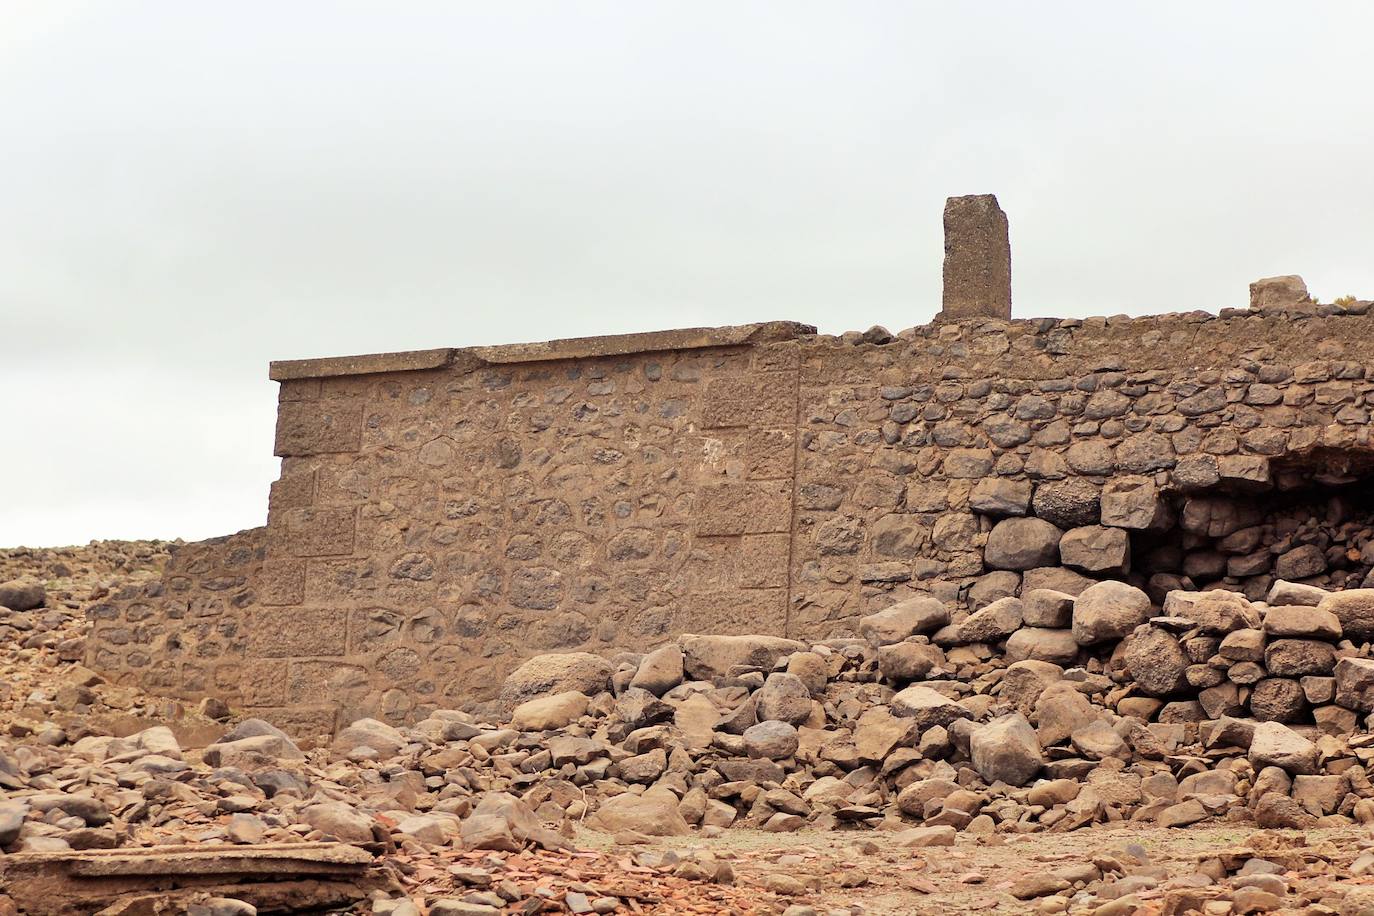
977 259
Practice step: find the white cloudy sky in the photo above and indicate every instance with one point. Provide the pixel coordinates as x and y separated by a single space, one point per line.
188 190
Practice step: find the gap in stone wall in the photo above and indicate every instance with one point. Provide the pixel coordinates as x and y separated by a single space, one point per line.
1312 521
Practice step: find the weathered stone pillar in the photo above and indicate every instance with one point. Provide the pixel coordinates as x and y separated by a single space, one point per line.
977 259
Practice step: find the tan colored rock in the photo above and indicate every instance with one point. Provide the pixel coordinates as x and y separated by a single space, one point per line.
654 813
905 618
713 657
549 713
1108 610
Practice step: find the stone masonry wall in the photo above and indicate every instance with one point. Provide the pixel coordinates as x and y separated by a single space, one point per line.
442 515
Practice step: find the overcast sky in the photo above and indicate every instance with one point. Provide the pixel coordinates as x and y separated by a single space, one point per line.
191 189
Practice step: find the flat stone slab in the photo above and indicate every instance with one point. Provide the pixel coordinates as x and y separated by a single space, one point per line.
569 348
274 876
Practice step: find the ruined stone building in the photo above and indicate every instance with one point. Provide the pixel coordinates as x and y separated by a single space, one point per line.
442 514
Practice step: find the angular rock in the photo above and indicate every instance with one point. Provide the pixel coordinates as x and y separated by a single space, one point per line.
660 670
1302 622
1156 661
1006 750
994 622
1354 608
1355 684
784 697
905 618
1278 745
556 673
927 707
1045 607
1096 549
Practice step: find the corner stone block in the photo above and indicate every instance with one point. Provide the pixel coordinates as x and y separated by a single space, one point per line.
279 632
977 269
313 532
763 560
292 491
756 507
318 428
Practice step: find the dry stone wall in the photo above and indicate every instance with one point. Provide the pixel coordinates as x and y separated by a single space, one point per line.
443 515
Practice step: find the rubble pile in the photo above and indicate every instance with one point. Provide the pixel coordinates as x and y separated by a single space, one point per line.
1043 713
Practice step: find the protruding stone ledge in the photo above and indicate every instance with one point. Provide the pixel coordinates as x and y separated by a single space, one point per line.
570 348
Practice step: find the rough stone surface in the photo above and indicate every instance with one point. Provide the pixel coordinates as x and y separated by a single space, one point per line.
977 271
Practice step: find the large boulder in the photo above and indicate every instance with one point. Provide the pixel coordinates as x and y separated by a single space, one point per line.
996 621
503 822
1278 745
1022 543
655 813
1296 657
556 673
1108 610
339 821
1214 611
927 707
1056 646
1068 503
1006 750
707 658
1156 662
784 697
660 670
771 740
1060 710
549 713
1302 622
1096 549
379 736
22 594
908 661
905 618
1355 684
1354 608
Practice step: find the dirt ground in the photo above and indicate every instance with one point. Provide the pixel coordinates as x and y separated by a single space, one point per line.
859 869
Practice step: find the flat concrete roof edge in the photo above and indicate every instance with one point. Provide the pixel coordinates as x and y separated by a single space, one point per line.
568 348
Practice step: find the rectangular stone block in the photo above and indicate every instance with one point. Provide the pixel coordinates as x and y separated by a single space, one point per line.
754 507
312 532
282 582
279 632
757 401
977 270
294 491
763 560
318 427
734 612
770 453
259 682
